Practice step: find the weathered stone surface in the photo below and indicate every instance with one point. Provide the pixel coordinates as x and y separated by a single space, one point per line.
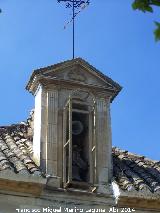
135 181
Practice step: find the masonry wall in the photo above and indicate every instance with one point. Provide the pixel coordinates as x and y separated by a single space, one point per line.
52 202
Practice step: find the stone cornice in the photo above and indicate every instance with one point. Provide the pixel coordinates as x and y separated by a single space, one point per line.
50 83
78 196
28 184
139 203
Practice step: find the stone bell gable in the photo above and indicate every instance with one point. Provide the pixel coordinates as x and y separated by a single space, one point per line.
61 158
69 97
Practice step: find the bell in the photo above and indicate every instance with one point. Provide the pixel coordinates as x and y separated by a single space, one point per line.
77 127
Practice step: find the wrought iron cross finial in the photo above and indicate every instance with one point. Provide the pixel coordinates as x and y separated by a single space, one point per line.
75 4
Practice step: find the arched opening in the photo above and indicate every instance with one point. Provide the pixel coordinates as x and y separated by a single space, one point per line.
79 144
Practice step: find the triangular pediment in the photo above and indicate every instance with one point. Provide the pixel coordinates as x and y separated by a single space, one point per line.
76 70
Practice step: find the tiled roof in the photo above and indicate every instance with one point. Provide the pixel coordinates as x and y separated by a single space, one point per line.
135 172
16 148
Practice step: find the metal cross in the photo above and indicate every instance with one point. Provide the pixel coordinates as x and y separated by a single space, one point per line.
74 4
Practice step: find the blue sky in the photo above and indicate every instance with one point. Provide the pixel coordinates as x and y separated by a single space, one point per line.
109 35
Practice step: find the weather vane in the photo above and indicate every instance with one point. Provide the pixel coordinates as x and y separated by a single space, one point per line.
76 6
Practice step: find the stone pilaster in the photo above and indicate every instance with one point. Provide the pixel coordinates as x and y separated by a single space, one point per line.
103 144
50 146
109 144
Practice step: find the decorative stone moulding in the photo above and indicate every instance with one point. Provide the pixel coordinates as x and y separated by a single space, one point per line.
76 76
80 94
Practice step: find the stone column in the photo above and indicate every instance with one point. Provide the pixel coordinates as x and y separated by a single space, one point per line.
103 145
